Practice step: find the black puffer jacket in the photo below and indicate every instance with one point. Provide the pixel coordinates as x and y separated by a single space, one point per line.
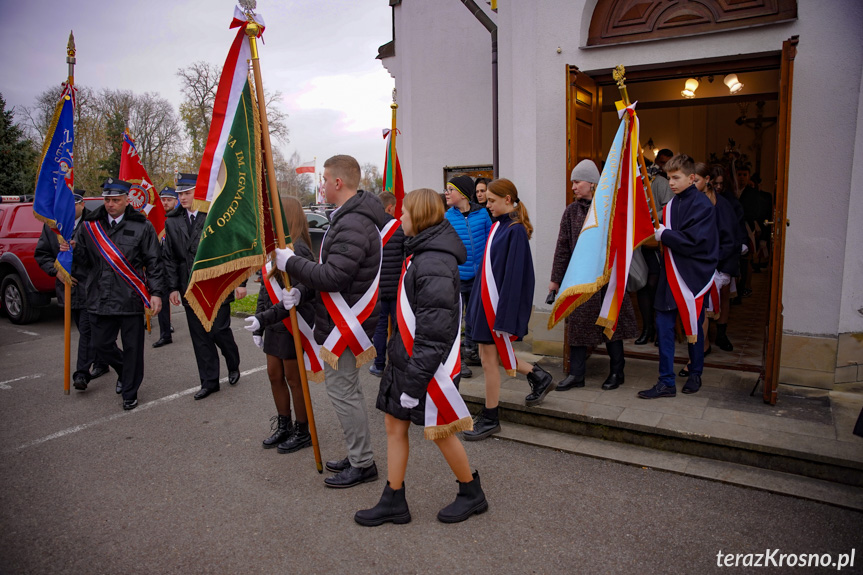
46 252
350 256
107 292
391 265
270 316
431 284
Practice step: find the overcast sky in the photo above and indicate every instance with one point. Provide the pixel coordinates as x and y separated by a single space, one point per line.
319 53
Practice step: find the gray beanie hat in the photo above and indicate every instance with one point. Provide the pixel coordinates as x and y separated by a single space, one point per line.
585 171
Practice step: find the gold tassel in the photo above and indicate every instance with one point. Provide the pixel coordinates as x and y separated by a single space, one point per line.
511 372
330 358
366 356
444 431
692 338
316 376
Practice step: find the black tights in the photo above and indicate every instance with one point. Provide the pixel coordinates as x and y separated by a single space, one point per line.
646 296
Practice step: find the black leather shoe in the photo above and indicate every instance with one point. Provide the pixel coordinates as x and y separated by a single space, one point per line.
613 381
471 358
569 382
466 372
130 404
482 427
658 390
541 383
163 341
683 372
99 371
646 336
233 377
204 392
693 384
338 466
299 439
119 388
80 382
352 476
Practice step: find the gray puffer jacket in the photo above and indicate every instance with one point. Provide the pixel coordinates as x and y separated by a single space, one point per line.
350 259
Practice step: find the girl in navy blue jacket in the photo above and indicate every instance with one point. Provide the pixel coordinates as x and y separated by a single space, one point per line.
501 303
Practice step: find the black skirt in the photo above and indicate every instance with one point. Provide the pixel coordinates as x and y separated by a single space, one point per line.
279 343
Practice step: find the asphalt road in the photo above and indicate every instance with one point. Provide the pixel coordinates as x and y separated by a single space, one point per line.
183 486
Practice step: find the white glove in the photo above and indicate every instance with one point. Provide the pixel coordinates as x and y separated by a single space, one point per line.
282 257
503 335
252 324
657 233
259 341
744 249
290 298
408 402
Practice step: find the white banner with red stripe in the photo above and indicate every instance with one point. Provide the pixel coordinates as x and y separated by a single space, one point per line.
118 261
445 410
348 321
389 231
490 297
689 304
311 349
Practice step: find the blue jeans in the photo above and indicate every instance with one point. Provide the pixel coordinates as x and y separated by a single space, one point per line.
387 311
665 322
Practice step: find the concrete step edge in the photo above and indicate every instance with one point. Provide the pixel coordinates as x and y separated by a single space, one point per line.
779 482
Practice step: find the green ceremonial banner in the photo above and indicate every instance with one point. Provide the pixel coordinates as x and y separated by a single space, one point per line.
232 242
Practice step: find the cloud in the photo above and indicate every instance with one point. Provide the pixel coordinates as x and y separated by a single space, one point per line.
362 101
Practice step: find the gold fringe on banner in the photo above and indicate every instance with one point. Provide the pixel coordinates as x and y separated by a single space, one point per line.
444 431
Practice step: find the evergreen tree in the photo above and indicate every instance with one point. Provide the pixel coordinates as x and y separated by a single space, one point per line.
18 156
114 129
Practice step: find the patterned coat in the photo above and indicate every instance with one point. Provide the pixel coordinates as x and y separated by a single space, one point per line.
581 324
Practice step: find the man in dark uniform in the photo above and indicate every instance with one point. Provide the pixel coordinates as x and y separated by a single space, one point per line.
183 229
119 251
168 197
46 252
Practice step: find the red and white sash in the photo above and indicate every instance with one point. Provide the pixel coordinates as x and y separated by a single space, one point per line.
490 298
712 298
445 410
311 349
348 321
389 231
118 261
689 304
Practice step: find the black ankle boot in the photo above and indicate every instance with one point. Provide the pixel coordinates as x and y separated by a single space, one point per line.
647 335
722 337
391 507
541 383
485 424
470 500
299 439
281 424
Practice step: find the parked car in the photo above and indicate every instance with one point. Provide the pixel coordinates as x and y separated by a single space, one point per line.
24 287
319 223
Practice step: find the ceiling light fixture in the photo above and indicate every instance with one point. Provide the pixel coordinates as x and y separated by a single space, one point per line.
690 87
733 83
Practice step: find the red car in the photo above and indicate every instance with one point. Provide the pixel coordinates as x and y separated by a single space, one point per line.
24 287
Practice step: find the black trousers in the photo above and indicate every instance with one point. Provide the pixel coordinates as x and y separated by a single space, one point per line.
165 320
128 363
86 345
578 358
205 343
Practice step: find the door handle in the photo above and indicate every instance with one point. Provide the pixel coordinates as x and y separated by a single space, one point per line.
769 223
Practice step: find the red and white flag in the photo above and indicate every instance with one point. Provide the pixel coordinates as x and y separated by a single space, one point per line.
306 168
143 196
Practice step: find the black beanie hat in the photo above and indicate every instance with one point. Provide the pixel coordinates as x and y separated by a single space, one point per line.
465 185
